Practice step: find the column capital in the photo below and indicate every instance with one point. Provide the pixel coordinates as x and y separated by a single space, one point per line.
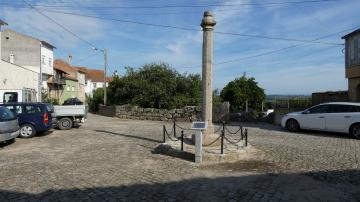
208 22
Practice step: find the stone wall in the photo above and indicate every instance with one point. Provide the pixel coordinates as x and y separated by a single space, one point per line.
106 110
186 114
330 96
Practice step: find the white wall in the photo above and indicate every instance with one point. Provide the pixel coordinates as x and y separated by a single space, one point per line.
91 86
47 66
16 77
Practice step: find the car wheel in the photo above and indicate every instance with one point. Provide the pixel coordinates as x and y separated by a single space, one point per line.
292 125
355 131
65 124
27 131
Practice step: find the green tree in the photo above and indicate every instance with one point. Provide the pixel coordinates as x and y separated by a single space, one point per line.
241 89
96 99
155 85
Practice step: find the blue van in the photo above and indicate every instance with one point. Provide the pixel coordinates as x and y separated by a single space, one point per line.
33 117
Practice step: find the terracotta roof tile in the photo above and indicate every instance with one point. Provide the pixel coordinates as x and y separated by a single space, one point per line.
95 75
64 66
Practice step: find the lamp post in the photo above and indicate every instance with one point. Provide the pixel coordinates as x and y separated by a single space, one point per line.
104 51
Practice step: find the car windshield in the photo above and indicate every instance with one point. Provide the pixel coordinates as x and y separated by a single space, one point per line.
6 114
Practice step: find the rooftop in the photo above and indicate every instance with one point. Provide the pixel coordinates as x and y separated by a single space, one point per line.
2 22
351 33
95 75
44 43
66 67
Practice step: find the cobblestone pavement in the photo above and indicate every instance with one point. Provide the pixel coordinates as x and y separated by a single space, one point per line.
109 159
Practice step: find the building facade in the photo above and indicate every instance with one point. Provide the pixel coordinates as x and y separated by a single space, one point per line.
74 81
56 84
95 80
352 64
13 76
28 52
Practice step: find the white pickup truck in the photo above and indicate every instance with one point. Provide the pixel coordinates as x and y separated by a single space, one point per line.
67 116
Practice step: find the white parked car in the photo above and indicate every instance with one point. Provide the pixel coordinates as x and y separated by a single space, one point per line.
343 117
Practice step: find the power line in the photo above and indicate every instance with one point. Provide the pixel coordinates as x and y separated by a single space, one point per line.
272 51
194 29
190 6
60 25
279 50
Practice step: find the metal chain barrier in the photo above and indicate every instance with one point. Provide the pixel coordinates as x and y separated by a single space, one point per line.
168 135
234 133
232 142
222 128
211 143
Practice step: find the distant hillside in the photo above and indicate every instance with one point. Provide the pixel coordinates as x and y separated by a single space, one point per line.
287 97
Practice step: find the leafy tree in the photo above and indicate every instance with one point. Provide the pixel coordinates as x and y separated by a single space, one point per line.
96 99
155 85
217 100
241 89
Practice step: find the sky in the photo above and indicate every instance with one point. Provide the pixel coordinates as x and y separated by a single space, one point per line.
302 69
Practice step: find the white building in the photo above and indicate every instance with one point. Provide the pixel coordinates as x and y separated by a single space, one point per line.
13 76
94 80
26 51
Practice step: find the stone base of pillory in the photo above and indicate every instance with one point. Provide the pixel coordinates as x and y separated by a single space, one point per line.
231 152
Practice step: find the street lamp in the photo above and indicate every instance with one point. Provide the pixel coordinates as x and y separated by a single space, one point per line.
104 51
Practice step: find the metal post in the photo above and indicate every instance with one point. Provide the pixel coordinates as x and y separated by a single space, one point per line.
246 103
242 134
105 67
174 127
288 104
222 141
40 78
164 140
246 138
182 140
198 146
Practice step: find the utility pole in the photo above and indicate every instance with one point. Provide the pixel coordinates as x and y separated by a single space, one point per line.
40 78
105 69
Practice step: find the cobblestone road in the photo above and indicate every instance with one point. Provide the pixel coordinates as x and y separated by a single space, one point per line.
109 159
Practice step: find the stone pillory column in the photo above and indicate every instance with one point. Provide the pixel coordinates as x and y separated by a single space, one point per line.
207 23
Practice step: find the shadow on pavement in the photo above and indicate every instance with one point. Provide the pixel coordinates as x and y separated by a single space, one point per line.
252 187
129 136
167 150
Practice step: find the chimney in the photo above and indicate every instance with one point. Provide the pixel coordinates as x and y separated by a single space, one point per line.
70 59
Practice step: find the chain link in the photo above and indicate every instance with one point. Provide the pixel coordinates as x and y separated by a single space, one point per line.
231 142
169 136
233 133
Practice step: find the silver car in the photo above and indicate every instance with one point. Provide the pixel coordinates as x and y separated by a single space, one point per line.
9 126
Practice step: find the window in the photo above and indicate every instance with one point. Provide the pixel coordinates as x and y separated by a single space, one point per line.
340 108
6 114
73 88
68 88
10 97
319 109
12 109
43 59
31 109
18 109
50 62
